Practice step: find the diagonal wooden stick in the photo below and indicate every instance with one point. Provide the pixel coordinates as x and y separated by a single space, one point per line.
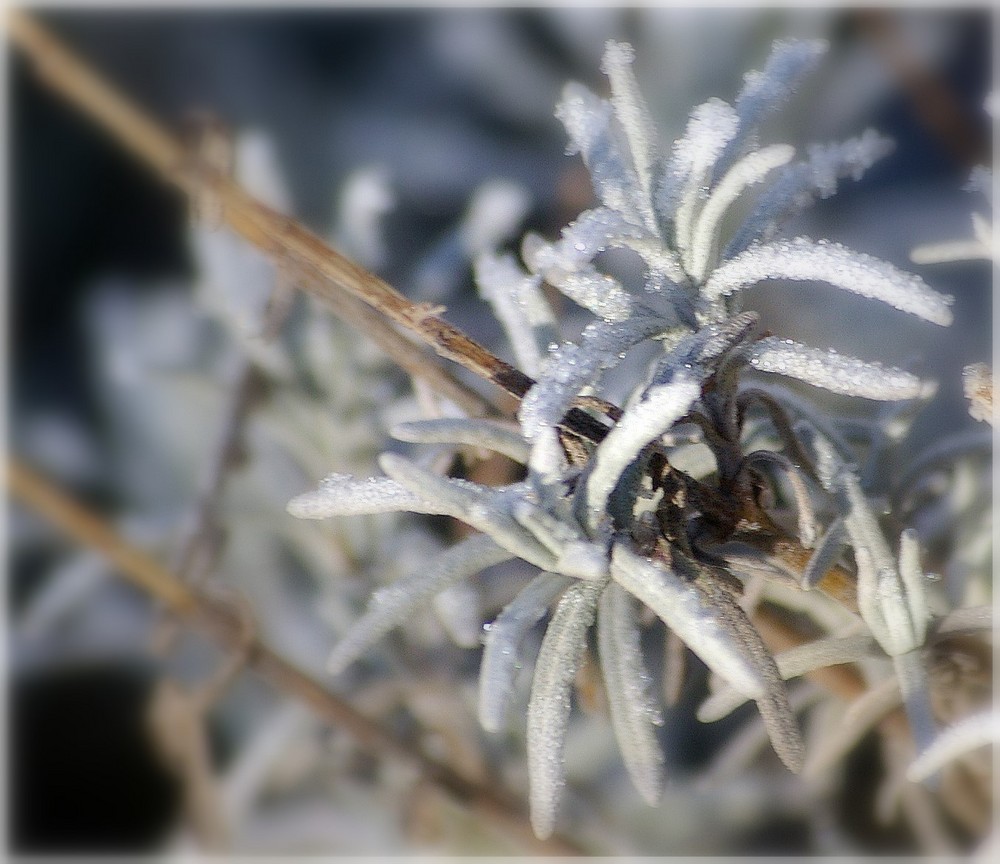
226 627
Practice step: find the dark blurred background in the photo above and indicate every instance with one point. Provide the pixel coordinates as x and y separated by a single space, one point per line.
443 100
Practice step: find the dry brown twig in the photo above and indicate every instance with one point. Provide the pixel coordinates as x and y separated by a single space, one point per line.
204 536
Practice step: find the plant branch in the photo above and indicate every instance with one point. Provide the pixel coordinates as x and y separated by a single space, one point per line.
142 570
200 544
229 631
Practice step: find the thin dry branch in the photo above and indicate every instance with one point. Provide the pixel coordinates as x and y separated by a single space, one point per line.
200 546
227 628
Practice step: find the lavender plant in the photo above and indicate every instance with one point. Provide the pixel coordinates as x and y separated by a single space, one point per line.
628 512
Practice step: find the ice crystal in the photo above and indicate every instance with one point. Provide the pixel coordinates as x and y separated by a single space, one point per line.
803 260
833 371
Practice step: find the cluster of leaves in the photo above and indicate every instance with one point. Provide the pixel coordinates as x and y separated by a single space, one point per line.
633 513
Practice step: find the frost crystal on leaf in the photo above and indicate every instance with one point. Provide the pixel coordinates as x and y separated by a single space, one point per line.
638 126
765 91
804 260
833 371
749 171
661 407
344 495
589 124
518 303
549 706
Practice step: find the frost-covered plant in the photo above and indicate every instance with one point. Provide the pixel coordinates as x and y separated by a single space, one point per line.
625 509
